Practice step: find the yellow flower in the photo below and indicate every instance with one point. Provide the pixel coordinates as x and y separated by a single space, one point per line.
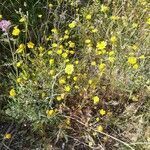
12 93
76 87
67 88
102 66
71 44
87 41
7 136
66 60
16 31
102 112
94 30
96 99
104 8
142 57
64 55
111 53
21 48
66 32
54 30
101 45
54 45
50 112
59 51
19 80
69 69
136 66
76 62
66 37
72 24
59 98
134 25
99 128
62 81
75 78
51 72
88 17
30 44
71 52
90 81
148 21
49 52
51 61
111 59
132 60
113 39
41 48
114 18
97 119
19 63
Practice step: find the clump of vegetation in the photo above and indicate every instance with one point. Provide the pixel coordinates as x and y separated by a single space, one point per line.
79 72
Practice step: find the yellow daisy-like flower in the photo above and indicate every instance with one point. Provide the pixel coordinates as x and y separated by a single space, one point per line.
64 55
30 44
12 93
102 66
21 48
71 44
72 24
102 112
16 31
136 66
54 30
113 39
67 88
96 99
50 112
69 69
7 136
51 61
59 51
19 63
75 78
101 45
99 128
104 8
59 98
132 60
88 17
62 81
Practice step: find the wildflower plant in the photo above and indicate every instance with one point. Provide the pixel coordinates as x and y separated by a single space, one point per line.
73 74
